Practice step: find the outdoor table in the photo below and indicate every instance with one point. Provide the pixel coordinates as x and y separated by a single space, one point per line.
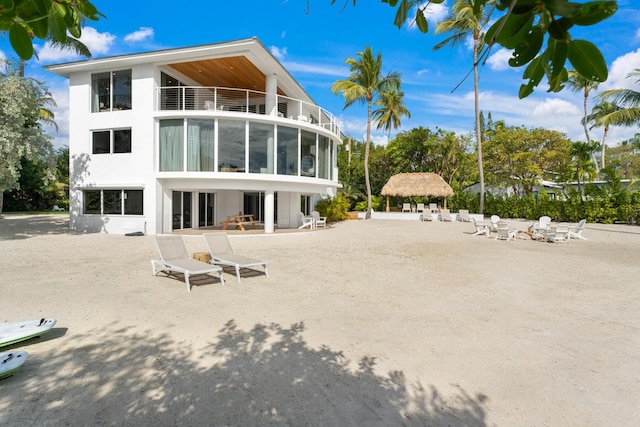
239 221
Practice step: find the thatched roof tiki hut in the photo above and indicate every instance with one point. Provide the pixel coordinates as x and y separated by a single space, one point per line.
417 184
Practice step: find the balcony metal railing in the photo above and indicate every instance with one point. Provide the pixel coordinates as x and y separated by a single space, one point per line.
195 98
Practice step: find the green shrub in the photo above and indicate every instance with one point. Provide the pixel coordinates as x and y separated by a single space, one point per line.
336 209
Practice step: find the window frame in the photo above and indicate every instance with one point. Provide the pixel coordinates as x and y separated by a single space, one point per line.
113 140
109 198
116 95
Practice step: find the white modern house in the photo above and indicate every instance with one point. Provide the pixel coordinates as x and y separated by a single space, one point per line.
182 138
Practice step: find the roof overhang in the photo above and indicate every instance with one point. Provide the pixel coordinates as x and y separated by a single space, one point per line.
240 64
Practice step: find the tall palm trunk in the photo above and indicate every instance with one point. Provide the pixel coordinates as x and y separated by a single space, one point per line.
586 129
476 36
367 144
604 143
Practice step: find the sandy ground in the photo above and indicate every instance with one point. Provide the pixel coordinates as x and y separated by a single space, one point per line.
369 323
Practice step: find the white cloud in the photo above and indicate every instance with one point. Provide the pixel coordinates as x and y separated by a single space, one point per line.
555 107
279 53
144 33
619 70
499 60
423 71
296 67
97 43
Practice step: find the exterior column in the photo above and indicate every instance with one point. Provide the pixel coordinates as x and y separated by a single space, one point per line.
271 103
269 198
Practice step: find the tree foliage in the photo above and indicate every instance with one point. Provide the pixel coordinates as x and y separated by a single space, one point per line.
21 133
57 21
524 27
519 158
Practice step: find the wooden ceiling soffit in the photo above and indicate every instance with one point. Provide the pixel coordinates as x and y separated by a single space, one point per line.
233 72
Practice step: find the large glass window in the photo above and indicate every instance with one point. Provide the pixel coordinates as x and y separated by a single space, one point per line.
231 143
324 157
261 147
109 202
171 145
111 91
307 153
287 151
200 149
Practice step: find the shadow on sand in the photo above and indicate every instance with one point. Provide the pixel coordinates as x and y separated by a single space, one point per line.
267 375
13 227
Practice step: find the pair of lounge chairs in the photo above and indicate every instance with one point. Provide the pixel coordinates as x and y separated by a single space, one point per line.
175 258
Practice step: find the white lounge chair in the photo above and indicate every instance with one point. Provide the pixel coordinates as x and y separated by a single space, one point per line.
406 207
559 234
174 257
575 231
320 221
481 229
504 232
222 254
494 222
433 207
307 221
420 207
463 215
445 215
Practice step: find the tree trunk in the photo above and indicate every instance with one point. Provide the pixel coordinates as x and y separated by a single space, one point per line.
477 112
586 129
604 144
367 144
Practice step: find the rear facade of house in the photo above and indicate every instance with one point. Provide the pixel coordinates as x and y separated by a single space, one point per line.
182 138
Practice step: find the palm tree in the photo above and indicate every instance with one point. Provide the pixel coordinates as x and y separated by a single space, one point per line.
581 154
391 109
629 102
599 117
468 19
363 85
577 83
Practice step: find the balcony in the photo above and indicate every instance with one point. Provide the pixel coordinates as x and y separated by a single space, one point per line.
242 101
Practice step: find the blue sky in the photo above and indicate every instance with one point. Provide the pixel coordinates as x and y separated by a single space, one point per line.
312 39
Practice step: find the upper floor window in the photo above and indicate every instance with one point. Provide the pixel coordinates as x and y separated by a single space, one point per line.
111 141
111 91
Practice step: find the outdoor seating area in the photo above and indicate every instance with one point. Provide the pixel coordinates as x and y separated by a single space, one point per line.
543 230
239 221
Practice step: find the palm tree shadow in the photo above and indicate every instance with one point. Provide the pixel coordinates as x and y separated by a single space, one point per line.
267 375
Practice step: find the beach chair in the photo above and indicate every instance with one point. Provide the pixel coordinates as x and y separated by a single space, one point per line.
307 221
406 207
445 215
222 254
463 215
320 221
433 207
504 232
494 222
174 257
481 229
559 233
420 207
575 231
